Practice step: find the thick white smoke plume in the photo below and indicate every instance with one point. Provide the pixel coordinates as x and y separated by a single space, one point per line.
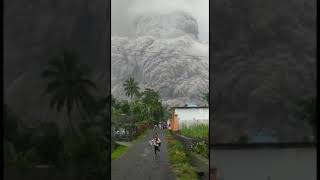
124 11
161 50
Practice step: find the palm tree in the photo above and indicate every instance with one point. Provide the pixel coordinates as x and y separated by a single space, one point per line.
152 101
131 87
68 84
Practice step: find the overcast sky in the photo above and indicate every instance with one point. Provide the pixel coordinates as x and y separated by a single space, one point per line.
123 10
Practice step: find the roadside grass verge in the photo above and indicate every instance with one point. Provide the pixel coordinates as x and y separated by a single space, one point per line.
201 148
179 160
118 151
121 149
199 132
195 131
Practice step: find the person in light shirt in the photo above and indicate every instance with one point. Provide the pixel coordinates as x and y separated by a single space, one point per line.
156 143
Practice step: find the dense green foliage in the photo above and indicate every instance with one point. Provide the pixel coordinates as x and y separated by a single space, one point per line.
179 159
195 131
145 107
199 132
201 148
131 87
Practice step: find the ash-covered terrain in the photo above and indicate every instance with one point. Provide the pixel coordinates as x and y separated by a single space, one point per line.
263 57
164 53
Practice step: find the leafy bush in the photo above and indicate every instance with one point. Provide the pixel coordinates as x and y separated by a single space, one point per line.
185 171
195 130
201 148
179 159
178 156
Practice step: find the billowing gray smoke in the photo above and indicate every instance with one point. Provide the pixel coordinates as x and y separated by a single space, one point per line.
164 54
170 25
36 31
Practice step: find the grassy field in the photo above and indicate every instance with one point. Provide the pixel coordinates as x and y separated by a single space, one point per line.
195 131
179 160
118 151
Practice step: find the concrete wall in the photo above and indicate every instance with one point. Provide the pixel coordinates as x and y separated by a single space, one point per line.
258 164
192 115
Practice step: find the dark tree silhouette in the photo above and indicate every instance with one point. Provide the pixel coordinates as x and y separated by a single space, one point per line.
68 84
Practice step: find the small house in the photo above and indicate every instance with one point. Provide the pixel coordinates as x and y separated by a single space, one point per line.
187 116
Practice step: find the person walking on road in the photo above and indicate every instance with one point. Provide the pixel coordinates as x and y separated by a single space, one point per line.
156 142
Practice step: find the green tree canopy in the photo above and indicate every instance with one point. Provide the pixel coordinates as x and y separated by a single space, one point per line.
131 87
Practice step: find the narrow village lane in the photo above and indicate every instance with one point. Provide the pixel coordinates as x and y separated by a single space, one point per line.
140 162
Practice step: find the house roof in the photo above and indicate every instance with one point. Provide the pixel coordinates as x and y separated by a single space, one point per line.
198 107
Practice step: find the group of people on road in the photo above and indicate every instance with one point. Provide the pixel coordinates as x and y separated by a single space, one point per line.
155 141
162 125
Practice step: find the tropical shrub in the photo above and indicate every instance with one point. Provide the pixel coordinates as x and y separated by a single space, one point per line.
195 130
201 148
179 159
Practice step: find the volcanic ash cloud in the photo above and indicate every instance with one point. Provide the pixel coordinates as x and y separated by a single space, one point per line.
165 54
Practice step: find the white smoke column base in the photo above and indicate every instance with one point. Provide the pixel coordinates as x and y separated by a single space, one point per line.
165 55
